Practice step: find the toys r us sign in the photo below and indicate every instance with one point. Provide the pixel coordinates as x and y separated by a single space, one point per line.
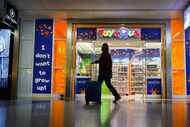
122 33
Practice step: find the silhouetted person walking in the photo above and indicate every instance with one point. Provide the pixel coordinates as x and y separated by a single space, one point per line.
105 70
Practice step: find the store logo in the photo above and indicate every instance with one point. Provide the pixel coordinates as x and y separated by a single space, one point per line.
12 13
45 30
122 33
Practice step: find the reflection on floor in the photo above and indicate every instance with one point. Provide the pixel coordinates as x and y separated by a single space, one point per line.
57 113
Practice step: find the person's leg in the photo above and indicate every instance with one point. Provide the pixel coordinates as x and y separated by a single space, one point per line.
112 89
100 80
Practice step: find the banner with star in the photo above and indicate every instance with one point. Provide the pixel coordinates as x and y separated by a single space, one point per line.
42 67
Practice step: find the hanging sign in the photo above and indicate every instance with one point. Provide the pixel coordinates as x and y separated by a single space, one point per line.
151 34
122 33
86 34
43 56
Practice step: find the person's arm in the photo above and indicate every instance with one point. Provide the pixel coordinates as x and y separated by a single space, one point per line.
97 61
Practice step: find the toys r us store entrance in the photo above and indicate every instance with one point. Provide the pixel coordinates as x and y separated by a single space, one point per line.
137 58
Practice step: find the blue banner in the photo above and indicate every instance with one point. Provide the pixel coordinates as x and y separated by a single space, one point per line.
43 56
154 86
187 53
151 34
86 34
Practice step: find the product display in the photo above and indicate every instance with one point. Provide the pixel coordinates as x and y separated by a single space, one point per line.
137 81
153 70
120 77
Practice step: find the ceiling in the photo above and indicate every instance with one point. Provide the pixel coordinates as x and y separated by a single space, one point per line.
134 9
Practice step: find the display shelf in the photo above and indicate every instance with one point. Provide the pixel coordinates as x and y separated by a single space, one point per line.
138 72
137 90
137 79
120 77
122 81
136 67
138 86
153 70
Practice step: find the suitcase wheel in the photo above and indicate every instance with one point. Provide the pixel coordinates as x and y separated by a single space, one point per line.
87 102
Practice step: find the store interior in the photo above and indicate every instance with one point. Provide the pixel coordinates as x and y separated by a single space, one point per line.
135 64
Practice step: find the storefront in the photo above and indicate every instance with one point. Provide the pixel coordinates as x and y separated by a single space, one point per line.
148 57
137 52
61 66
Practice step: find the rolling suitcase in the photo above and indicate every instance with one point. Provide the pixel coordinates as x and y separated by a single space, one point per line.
93 92
93 88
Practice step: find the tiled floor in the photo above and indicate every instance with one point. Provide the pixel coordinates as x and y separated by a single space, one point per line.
57 113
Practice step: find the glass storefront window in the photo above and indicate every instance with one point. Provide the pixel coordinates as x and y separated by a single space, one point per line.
4 56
